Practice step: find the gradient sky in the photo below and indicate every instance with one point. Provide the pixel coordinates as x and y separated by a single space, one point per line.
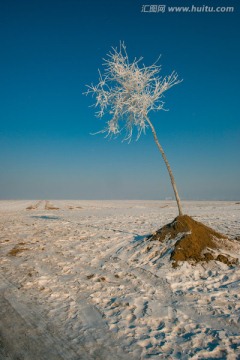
51 49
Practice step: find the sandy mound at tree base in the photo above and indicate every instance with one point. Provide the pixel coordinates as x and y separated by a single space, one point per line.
197 241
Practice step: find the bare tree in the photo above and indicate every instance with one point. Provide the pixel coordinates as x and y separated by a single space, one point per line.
128 92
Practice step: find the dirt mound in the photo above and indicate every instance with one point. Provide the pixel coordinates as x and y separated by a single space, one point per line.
197 241
49 206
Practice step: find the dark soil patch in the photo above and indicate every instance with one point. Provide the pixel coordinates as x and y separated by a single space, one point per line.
208 256
224 259
90 276
51 208
195 243
16 250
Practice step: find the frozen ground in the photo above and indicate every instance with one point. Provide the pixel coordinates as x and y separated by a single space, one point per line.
78 283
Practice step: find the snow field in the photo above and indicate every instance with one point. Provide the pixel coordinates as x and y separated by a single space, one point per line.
85 270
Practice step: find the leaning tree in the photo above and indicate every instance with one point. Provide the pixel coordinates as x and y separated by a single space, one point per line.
128 92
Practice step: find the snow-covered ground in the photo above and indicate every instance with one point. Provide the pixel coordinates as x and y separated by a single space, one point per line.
77 283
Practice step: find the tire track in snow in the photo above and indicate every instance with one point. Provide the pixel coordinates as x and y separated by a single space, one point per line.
24 333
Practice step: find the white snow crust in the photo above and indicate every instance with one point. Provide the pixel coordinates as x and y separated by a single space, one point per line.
81 284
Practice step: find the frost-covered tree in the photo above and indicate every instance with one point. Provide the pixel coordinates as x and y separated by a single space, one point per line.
128 92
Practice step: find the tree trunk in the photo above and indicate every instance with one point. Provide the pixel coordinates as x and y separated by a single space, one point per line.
168 167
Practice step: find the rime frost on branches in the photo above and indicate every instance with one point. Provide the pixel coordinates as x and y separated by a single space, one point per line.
129 91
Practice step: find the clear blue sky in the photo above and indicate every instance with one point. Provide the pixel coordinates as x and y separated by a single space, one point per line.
51 49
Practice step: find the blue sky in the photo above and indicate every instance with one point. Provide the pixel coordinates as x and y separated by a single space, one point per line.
51 49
